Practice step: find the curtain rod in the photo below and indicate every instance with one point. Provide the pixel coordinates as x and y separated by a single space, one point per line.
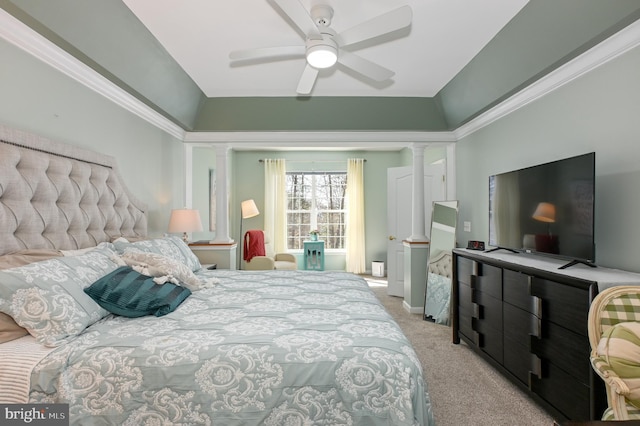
311 161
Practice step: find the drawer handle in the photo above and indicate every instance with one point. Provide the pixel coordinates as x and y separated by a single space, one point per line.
535 372
537 366
474 295
535 327
474 268
478 339
477 311
537 306
537 301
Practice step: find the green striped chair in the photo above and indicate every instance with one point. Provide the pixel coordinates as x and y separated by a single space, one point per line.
614 335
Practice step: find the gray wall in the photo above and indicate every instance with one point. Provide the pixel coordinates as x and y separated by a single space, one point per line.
36 98
108 37
597 112
320 113
544 35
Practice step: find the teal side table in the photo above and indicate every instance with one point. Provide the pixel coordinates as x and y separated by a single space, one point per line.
313 255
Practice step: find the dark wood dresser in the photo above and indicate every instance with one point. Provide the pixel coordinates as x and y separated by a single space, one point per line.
528 319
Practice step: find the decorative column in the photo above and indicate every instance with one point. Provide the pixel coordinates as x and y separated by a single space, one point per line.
222 195
417 199
222 250
450 172
416 247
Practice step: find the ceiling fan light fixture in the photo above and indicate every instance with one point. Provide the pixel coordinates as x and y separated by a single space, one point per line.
322 56
322 53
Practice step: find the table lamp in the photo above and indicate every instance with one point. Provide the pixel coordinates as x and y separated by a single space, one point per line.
185 220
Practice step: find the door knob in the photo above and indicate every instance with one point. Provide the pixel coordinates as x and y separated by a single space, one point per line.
391 238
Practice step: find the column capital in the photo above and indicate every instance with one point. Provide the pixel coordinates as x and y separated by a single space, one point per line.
419 147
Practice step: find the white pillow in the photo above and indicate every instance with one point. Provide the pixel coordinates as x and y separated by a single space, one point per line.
165 269
47 298
172 247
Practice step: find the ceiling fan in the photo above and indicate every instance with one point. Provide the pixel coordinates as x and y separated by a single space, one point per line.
323 46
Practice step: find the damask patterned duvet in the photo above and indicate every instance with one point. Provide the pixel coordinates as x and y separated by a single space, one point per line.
259 348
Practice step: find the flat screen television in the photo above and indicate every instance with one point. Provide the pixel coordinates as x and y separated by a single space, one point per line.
546 209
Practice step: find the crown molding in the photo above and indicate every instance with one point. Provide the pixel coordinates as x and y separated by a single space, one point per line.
614 46
23 37
314 140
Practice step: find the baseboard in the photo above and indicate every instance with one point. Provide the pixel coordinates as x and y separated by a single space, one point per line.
414 309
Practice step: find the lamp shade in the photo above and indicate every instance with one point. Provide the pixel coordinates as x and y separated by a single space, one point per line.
249 209
545 212
185 220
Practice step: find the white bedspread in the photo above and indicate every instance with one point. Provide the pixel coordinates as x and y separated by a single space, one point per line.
17 360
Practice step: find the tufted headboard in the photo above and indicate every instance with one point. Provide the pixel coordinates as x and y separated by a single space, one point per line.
58 196
440 264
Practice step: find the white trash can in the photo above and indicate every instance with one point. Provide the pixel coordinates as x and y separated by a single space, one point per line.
377 268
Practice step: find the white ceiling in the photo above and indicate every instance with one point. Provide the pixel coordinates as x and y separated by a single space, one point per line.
444 36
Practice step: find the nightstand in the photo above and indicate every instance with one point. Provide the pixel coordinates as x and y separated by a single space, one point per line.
313 255
222 255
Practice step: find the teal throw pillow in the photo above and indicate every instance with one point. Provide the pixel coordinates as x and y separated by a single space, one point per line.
128 293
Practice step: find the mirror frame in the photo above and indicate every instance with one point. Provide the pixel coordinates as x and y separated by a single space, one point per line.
449 204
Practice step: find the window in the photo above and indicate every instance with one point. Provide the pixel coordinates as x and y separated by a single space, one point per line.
316 201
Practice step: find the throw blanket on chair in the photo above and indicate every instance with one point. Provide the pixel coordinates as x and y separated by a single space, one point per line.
253 244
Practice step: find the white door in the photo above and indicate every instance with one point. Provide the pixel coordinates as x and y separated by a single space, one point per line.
399 216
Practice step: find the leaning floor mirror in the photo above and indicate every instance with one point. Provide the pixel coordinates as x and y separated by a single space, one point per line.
444 217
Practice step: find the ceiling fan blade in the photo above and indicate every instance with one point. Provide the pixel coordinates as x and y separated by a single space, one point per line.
307 80
382 24
268 52
364 66
300 16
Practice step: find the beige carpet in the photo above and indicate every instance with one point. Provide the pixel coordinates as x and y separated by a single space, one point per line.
463 388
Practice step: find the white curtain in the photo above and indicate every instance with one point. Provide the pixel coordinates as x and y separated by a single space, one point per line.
275 203
354 242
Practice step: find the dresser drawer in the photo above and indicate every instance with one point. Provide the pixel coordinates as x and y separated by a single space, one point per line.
465 270
465 310
519 325
489 280
516 290
488 339
562 304
465 326
568 350
518 360
565 393
488 309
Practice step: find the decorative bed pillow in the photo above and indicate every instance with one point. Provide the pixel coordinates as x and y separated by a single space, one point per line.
172 247
165 269
619 349
130 294
9 330
47 297
25 257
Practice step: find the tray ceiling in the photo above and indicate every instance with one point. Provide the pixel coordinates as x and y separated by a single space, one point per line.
444 36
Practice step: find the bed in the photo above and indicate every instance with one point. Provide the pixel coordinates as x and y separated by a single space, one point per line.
229 347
